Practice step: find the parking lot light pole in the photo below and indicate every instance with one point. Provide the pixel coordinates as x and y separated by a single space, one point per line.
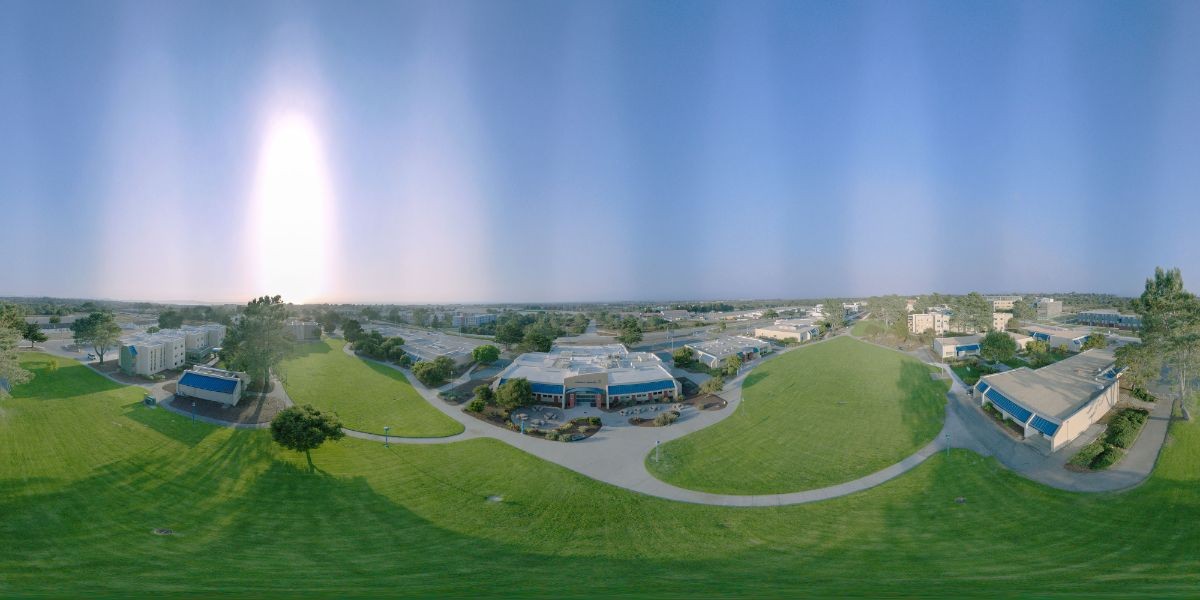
193 411
385 435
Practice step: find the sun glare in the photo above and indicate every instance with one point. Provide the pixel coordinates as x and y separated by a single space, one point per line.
293 204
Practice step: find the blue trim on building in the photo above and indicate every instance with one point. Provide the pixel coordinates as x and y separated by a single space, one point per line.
641 388
545 388
208 383
1012 408
1047 427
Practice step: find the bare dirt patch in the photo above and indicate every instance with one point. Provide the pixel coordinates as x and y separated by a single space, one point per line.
250 411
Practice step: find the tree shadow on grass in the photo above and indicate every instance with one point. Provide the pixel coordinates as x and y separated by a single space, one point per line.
167 423
304 349
922 401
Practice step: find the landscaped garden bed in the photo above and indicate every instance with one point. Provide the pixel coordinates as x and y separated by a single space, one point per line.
1013 427
660 420
1108 449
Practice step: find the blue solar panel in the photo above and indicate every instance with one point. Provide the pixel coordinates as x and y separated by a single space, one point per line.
1041 336
982 386
641 388
1047 427
205 382
546 388
1016 410
133 350
967 348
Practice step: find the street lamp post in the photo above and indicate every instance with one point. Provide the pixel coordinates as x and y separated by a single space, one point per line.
657 450
385 435
193 411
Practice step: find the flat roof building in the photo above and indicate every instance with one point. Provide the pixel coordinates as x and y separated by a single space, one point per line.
1002 302
1056 403
800 330
1071 339
201 339
714 352
1048 308
593 375
215 385
472 320
968 345
675 315
1000 320
1107 317
303 330
428 345
149 353
938 321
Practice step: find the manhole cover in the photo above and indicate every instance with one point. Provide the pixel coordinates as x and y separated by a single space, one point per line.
495 498
163 531
960 500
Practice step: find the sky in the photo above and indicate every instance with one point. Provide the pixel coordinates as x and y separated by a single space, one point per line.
561 150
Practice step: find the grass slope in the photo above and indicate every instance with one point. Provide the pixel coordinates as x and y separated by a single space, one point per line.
364 394
820 415
86 472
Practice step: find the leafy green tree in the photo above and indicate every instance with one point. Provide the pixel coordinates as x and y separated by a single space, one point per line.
485 394
713 385
684 356
972 312
997 346
731 366
1023 311
1140 364
631 331
1171 328
835 314
259 341
33 334
445 366
485 354
427 373
888 309
304 429
1037 347
352 330
170 319
770 313
1095 340
370 313
722 326
509 332
536 340
100 330
514 393
10 363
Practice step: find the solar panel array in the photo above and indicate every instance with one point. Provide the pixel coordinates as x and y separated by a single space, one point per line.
1047 427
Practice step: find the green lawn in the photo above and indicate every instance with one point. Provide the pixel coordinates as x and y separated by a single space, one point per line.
820 415
366 395
867 328
968 374
86 473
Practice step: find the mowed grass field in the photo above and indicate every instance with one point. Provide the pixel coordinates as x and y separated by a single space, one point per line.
820 415
367 396
87 472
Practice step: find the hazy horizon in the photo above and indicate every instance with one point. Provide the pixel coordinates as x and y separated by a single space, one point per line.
556 152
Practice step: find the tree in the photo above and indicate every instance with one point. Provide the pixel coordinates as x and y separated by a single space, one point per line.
684 356
536 340
972 312
445 366
33 334
1022 311
1171 328
98 329
1140 364
997 346
887 309
259 341
485 394
722 326
732 364
370 313
770 313
304 429
835 314
514 393
153 329
10 363
170 319
352 330
713 385
1037 347
631 331
1095 340
485 354
509 332
55 319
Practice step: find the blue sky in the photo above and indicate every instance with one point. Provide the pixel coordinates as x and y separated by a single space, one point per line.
556 151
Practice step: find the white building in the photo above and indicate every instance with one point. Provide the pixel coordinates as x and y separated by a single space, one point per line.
714 352
593 375
1048 308
1071 339
1000 320
149 353
938 321
1056 403
1002 302
968 345
215 385
472 320
303 330
800 330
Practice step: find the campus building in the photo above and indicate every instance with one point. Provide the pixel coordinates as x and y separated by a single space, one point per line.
472 320
421 344
303 330
938 321
1056 403
215 385
1071 339
800 330
675 315
1002 302
593 375
714 352
1048 308
968 345
149 353
199 340
1107 317
1000 320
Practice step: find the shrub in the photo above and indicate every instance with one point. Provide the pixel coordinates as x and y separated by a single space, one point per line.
1107 458
476 405
1124 427
1142 394
713 385
594 421
552 436
1087 454
585 428
665 419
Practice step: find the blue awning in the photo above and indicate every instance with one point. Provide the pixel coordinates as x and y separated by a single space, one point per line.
641 388
967 348
1037 335
209 383
1012 408
1047 427
546 388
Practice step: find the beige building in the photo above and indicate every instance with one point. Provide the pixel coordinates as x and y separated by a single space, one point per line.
1002 302
1000 320
149 353
939 322
713 353
593 375
1048 308
1056 403
800 330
